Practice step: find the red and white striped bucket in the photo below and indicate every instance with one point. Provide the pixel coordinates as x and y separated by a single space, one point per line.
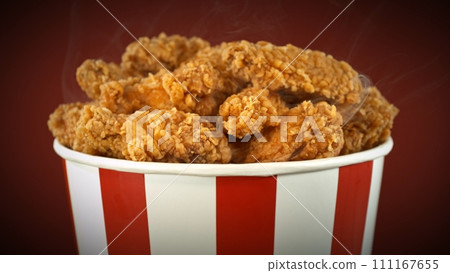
323 206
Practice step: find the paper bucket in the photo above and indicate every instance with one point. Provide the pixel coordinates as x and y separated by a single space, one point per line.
322 206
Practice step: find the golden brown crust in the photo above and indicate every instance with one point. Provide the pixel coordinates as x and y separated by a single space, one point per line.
95 130
371 125
237 79
181 145
251 106
312 72
63 123
93 73
202 77
88 128
171 51
276 148
131 94
98 132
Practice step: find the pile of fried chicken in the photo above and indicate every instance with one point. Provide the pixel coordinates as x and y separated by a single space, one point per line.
238 81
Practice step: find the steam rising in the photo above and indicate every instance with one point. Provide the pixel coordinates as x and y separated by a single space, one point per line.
95 34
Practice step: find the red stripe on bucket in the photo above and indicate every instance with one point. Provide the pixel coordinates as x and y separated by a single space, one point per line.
245 214
70 205
351 208
123 196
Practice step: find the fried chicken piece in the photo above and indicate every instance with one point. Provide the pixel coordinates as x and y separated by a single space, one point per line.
318 137
96 130
171 51
200 84
313 72
246 80
136 65
88 128
63 123
250 110
206 106
371 125
180 145
93 73
131 94
128 95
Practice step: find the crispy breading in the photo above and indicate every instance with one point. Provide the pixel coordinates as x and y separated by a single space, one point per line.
249 108
171 51
200 78
371 125
93 73
131 94
287 147
180 146
88 128
96 130
195 86
313 72
243 82
63 122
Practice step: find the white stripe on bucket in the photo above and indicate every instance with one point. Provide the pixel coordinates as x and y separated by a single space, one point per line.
182 219
372 206
87 207
296 231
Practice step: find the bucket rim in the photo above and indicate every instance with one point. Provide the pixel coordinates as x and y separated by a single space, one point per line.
228 169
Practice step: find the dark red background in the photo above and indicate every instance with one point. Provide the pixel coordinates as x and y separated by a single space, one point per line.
402 47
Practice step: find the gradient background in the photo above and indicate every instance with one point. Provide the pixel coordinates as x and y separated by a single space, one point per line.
401 46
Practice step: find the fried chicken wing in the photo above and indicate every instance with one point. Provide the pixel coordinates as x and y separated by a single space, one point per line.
171 51
371 125
305 138
312 72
